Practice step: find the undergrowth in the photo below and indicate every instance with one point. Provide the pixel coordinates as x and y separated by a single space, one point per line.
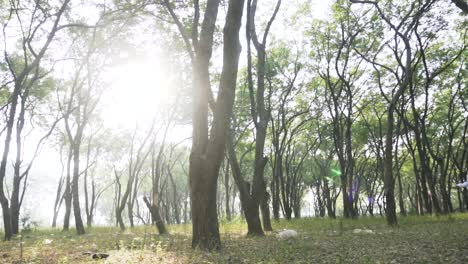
425 239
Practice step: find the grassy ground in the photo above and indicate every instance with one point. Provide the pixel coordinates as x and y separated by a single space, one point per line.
416 240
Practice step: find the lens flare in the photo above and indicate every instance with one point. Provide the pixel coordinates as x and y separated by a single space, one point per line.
335 172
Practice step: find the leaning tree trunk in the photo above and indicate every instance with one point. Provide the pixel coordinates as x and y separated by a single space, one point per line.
56 211
250 208
156 216
58 196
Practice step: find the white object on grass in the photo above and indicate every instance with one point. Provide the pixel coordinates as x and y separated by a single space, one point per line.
47 241
286 233
367 231
462 185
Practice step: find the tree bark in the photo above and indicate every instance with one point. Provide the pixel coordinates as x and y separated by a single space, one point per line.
208 150
227 191
75 184
68 193
156 216
250 208
389 182
260 114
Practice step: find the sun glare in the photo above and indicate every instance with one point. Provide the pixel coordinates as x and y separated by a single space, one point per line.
137 89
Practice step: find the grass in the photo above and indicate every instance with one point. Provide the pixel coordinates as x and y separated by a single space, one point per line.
426 239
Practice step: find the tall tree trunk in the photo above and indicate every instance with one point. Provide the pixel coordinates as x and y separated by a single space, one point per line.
59 197
89 216
400 194
68 193
208 149
8 230
175 200
15 205
75 184
88 200
227 191
275 195
398 167
389 182
328 200
130 212
446 203
18 176
58 203
260 114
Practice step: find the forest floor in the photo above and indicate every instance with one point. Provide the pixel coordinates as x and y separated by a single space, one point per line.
427 239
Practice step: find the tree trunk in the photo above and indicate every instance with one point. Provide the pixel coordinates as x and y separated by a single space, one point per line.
130 213
119 219
6 150
6 220
329 202
249 207
446 203
227 191
260 114
265 207
400 195
208 148
15 205
90 214
275 196
389 183
204 214
58 196
75 184
156 216
68 194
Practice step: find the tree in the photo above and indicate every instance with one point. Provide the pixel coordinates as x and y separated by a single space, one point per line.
138 154
401 34
342 76
208 148
92 196
289 120
25 74
259 111
157 169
